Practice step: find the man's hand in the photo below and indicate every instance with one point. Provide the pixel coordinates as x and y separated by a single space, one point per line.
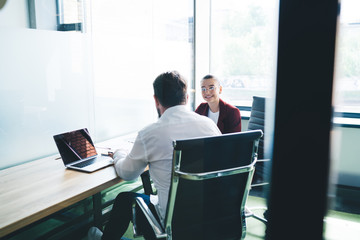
110 154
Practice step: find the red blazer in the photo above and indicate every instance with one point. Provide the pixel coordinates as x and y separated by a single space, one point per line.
229 116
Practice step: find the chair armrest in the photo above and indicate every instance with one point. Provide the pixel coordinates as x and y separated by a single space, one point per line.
155 225
264 160
261 178
145 178
216 174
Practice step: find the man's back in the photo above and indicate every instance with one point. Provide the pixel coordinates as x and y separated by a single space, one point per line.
153 145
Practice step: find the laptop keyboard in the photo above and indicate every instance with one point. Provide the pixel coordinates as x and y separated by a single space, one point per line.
85 163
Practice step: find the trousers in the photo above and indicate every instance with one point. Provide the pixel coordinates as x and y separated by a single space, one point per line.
121 215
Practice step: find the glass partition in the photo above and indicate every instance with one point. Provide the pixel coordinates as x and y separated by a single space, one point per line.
133 44
63 68
44 90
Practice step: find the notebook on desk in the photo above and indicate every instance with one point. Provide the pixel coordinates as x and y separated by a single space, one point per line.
78 152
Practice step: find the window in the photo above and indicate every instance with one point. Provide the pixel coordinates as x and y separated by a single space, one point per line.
347 69
70 15
59 15
345 175
243 47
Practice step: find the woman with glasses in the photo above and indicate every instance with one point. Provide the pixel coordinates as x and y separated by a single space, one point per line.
226 116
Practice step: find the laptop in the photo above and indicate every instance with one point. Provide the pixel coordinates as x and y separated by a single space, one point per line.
78 152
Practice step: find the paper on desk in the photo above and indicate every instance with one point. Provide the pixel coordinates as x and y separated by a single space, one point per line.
124 145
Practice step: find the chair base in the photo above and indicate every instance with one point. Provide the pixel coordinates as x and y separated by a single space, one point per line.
250 213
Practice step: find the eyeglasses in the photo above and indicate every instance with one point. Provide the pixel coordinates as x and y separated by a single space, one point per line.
210 89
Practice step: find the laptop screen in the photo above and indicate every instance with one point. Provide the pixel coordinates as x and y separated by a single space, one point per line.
75 145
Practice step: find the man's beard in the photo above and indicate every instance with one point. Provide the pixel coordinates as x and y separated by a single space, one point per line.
158 111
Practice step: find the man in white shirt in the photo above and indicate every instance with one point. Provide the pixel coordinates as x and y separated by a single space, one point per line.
153 148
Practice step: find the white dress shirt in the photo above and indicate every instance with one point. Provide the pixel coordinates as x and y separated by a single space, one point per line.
153 147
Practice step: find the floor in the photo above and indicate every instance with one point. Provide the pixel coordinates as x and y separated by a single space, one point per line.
255 228
338 225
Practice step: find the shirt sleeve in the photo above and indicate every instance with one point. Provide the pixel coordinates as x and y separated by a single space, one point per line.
129 166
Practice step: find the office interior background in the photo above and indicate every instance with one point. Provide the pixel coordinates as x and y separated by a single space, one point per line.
70 64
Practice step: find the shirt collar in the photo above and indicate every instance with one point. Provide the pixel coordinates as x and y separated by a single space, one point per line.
173 109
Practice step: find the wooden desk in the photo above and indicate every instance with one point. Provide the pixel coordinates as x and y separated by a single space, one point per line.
34 190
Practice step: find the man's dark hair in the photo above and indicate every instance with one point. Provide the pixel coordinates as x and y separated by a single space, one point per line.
170 88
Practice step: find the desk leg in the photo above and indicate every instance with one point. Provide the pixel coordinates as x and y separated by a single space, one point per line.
97 210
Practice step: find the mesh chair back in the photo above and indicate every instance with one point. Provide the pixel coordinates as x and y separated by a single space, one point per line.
257 119
211 208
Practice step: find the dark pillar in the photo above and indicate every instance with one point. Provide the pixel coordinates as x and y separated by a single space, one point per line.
303 113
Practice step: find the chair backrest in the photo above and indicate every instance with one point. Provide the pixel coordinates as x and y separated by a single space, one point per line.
257 119
211 179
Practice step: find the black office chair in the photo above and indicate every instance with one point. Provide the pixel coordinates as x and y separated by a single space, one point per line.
257 121
210 182
260 179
